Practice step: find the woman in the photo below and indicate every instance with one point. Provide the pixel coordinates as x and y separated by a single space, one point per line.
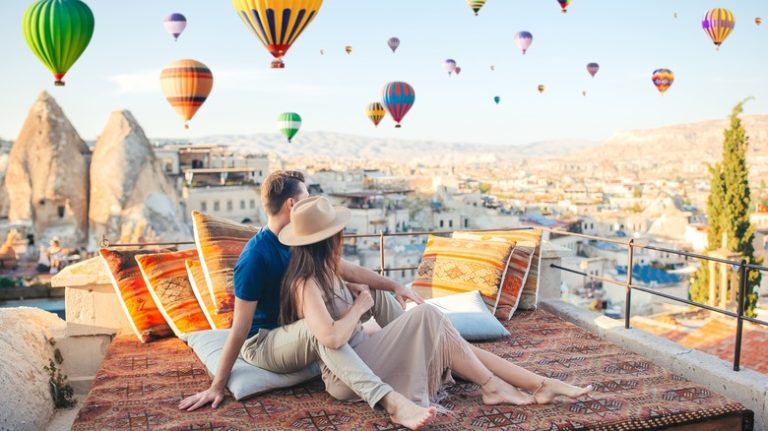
415 366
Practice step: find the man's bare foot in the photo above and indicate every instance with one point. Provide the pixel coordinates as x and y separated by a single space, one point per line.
405 412
550 388
497 391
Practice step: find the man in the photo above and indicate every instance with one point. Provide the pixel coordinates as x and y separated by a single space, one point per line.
255 334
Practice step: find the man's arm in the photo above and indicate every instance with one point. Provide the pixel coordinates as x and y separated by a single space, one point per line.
241 325
356 274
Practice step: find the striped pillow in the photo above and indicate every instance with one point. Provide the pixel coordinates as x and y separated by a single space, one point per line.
168 283
219 243
134 297
528 238
200 288
451 266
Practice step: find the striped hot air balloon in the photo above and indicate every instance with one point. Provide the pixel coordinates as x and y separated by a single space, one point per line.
476 5
375 112
718 23
289 124
564 4
277 23
175 24
58 31
398 98
186 84
663 79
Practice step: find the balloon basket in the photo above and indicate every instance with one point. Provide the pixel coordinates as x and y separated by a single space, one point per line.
58 83
278 64
397 126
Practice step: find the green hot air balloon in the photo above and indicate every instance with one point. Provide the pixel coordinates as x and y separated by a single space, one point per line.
289 124
58 31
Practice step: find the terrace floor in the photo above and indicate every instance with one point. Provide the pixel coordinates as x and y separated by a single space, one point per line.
139 386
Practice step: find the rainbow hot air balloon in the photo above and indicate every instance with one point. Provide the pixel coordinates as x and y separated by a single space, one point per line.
289 124
564 5
58 31
398 98
277 23
523 40
663 79
540 88
449 65
375 112
592 69
393 43
497 99
476 5
175 24
186 84
718 23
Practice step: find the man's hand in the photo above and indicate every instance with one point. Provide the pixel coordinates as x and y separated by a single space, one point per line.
213 395
403 293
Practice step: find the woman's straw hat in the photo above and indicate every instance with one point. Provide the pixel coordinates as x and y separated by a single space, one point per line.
313 220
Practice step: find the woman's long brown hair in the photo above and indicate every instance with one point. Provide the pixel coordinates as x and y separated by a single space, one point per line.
319 262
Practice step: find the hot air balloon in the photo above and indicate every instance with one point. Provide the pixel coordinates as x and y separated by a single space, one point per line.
493 68
58 31
497 99
375 112
277 23
457 70
175 24
592 69
564 4
540 88
322 52
348 49
758 20
476 5
289 124
186 84
663 79
393 43
398 98
718 23
675 15
449 65
523 40
584 93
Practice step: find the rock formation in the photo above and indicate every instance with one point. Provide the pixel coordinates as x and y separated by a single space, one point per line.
130 199
47 176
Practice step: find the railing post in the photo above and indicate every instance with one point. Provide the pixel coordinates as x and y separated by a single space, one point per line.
381 253
740 314
628 299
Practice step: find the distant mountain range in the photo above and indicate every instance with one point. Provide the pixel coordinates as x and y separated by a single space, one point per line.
352 147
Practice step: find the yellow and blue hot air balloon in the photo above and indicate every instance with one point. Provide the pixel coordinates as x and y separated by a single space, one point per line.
186 84
718 23
277 23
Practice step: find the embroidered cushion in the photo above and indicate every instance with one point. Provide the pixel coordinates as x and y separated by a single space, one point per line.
200 288
451 266
134 297
166 277
219 243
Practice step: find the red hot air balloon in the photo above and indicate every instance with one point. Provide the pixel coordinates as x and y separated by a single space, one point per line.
398 98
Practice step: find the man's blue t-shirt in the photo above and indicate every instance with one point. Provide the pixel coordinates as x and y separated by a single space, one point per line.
258 274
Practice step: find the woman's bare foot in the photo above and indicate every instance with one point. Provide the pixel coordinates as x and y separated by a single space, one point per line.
550 388
405 412
497 391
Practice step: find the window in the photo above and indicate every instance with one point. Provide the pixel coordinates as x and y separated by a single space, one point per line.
442 223
203 206
242 204
450 223
229 206
60 210
403 274
252 203
216 206
466 223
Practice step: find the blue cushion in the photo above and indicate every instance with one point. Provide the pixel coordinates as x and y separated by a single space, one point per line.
470 316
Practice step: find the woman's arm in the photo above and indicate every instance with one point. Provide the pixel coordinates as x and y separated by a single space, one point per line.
241 325
357 274
330 333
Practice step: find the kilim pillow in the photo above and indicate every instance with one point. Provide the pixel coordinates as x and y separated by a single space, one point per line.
166 277
134 297
527 238
200 288
219 243
451 266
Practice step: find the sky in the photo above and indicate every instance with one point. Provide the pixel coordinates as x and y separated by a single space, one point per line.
629 39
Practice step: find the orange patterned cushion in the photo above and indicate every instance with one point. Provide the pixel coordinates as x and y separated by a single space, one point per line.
200 287
145 318
451 266
528 238
219 243
168 283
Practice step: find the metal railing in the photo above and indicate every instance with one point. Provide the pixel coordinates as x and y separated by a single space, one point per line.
631 245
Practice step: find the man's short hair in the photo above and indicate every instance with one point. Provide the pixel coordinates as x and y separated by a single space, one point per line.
278 188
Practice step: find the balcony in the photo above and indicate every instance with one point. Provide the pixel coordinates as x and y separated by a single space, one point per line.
642 381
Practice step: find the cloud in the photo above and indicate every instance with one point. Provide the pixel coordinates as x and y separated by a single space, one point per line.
146 81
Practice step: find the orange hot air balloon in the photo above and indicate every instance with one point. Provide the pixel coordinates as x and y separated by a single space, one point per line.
348 49
186 84
540 88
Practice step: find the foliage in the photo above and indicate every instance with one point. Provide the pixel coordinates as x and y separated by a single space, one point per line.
61 390
9 283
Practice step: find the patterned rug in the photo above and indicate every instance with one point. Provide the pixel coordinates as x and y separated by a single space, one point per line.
139 386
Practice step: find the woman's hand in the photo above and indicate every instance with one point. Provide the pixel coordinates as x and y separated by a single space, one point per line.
212 395
363 301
